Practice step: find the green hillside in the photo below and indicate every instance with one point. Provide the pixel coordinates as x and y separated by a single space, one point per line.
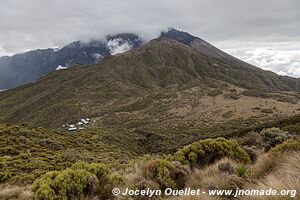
141 88
26 152
29 154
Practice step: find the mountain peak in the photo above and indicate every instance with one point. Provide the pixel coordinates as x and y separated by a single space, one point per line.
180 36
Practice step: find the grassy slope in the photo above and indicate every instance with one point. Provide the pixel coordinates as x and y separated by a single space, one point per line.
27 152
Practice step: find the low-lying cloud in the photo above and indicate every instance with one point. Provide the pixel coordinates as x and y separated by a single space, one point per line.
283 62
118 45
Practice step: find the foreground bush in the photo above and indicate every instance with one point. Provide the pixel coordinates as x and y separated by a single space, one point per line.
165 173
205 152
78 182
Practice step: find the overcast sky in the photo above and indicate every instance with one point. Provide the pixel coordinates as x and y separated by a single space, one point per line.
265 33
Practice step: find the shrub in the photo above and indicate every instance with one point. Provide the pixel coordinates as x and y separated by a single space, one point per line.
252 139
256 93
289 145
70 155
79 181
266 110
42 188
226 167
214 93
242 171
293 129
144 184
234 96
253 155
165 173
272 136
4 176
207 151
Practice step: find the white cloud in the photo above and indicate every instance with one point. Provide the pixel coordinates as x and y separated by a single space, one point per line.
3 52
59 67
118 45
35 24
283 61
98 57
294 70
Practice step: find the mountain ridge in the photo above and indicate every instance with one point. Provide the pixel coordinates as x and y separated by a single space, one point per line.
144 87
29 66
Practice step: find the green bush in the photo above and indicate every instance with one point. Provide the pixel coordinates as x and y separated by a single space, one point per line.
272 136
207 151
80 181
242 171
165 173
288 145
4 176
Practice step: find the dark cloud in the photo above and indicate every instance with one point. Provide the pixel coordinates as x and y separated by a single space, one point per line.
229 24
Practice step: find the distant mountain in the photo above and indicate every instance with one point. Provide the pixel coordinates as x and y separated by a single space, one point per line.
30 66
167 82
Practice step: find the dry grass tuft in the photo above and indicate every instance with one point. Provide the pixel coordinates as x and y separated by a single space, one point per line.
8 192
220 175
268 172
284 177
216 176
264 165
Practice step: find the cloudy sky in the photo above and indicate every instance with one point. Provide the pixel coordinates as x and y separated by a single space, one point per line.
265 33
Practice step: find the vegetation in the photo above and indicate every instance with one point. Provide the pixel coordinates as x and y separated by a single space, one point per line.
256 93
273 136
287 146
242 171
81 180
26 152
209 159
205 152
282 176
214 92
165 173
